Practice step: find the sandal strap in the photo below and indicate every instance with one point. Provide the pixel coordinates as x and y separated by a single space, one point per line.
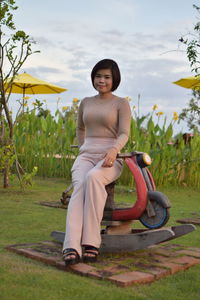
91 248
70 251
91 252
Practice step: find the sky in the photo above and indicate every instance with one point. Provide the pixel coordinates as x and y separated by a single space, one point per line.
140 35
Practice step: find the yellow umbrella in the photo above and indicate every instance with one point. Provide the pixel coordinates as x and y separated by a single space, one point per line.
189 82
27 84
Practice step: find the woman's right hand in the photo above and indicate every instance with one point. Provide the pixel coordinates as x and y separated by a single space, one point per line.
110 158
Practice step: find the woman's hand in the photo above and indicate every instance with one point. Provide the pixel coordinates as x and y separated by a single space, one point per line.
110 158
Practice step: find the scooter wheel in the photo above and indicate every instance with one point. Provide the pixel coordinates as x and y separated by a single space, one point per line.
161 216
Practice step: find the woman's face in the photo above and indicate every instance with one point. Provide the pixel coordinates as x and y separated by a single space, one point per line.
103 81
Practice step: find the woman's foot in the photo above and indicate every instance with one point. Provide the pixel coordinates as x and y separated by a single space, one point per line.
70 256
90 254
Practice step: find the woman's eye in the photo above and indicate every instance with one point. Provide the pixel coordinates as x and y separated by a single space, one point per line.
102 76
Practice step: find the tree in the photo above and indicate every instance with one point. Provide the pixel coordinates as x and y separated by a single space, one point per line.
191 114
15 48
192 42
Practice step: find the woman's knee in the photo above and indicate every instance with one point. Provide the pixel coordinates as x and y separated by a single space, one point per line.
93 175
78 183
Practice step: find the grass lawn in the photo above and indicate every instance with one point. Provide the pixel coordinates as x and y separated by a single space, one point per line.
23 220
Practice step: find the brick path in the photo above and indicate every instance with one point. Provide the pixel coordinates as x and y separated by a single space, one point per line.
143 266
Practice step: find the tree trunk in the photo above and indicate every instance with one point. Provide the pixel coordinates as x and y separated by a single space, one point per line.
6 177
6 171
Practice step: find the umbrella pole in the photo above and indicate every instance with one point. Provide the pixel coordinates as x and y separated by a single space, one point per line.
23 100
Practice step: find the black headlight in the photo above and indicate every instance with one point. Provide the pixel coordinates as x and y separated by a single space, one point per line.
144 160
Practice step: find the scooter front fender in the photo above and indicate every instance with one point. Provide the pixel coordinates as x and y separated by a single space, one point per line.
139 206
159 197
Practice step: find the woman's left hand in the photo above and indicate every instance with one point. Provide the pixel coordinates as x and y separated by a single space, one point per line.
110 158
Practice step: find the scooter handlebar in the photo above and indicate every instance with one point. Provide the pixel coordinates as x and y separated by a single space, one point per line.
119 155
128 154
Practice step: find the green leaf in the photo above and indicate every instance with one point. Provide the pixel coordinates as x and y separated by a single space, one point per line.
43 124
169 132
150 125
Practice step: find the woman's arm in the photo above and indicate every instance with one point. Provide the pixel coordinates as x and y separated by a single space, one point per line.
80 129
124 121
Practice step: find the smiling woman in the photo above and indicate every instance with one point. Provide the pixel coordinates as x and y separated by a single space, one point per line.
102 131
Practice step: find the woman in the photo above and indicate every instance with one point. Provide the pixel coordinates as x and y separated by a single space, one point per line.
102 131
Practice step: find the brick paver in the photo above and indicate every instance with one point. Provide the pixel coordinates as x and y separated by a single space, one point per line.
82 269
187 261
158 272
129 278
190 253
172 267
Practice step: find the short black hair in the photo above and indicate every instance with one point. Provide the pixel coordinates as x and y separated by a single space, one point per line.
108 64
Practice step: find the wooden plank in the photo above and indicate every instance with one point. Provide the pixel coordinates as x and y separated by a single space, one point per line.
133 242
126 242
137 240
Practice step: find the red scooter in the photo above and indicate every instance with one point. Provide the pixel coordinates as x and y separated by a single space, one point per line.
152 207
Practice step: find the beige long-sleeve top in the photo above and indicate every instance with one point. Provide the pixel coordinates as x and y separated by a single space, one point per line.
104 118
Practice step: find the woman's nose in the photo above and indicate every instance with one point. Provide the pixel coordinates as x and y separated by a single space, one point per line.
102 79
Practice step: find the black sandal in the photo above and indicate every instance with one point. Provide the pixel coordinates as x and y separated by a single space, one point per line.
90 254
70 252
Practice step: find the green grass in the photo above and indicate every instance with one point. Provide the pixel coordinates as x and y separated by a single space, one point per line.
23 220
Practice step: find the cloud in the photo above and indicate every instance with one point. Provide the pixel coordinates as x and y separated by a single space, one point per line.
155 78
114 32
42 69
44 42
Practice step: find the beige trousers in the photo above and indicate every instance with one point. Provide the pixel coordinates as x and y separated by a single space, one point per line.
86 206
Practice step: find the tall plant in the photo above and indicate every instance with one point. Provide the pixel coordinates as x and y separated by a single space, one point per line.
45 141
15 48
191 114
